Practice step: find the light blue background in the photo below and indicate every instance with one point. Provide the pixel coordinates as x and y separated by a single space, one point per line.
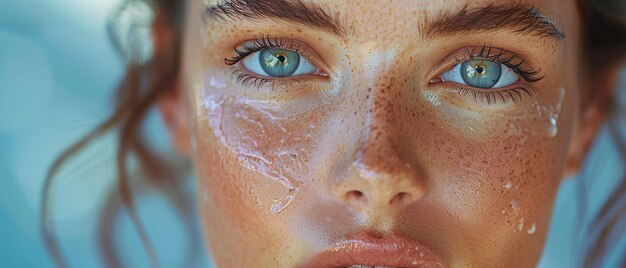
57 72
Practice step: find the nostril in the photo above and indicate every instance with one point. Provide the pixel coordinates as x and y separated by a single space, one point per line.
356 197
400 198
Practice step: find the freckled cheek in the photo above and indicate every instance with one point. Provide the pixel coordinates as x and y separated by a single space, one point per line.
488 170
250 154
235 200
247 157
224 188
513 151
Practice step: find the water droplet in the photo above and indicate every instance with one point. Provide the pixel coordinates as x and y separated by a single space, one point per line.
532 229
432 97
514 205
553 115
553 125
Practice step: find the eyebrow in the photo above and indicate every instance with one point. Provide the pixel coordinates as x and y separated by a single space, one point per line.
518 18
294 11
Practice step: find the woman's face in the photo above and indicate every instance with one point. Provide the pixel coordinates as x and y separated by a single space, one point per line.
380 133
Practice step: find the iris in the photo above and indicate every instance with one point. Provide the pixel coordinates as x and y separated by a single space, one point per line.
481 73
279 62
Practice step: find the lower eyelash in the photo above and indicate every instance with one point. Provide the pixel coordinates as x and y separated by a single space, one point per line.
248 80
492 97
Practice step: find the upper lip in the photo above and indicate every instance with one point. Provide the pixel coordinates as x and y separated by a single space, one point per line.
364 250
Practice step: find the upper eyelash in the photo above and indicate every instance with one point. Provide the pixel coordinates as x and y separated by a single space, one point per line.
505 57
248 47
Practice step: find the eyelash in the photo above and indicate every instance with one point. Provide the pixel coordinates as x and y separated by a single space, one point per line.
492 97
485 52
507 58
249 80
245 48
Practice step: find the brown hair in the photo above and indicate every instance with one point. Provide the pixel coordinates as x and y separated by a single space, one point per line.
604 37
142 85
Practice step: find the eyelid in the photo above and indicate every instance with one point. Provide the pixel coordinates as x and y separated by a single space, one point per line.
247 47
510 59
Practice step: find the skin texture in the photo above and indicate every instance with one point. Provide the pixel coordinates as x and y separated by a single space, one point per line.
287 169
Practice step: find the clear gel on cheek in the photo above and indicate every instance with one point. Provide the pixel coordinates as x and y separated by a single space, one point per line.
244 134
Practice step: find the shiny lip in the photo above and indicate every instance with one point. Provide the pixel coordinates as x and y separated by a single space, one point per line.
387 251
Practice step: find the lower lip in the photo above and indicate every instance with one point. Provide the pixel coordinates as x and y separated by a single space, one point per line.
366 251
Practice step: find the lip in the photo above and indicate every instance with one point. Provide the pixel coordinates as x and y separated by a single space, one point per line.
388 251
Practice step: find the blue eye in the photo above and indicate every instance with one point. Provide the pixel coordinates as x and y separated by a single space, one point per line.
272 62
484 74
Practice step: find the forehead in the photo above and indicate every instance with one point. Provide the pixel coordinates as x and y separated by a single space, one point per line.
390 11
400 19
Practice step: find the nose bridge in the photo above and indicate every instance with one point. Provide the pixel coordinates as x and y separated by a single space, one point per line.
378 145
379 178
383 93
378 148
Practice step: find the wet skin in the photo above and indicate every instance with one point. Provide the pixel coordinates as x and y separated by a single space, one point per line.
375 141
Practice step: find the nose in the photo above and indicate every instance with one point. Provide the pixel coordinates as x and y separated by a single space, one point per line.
380 187
382 177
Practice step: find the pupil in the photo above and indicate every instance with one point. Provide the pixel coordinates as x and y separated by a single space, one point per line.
281 58
480 69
